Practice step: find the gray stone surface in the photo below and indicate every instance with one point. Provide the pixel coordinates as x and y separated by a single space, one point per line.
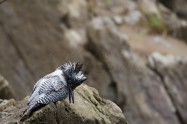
173 72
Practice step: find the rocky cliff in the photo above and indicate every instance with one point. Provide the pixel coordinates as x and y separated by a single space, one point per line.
130 51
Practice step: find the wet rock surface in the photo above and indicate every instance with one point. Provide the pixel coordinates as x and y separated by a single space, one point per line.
89 108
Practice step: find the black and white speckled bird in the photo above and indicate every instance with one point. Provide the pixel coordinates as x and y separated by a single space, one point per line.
55 87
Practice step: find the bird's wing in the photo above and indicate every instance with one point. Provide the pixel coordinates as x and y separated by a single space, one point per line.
34 93
41 80
53 96
50 84
36 87
46 86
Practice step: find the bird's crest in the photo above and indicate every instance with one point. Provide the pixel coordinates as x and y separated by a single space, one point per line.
72 71
73 67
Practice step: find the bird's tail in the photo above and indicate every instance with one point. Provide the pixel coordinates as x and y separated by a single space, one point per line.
26 114
29 110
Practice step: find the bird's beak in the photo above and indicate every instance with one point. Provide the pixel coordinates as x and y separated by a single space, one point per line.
71 95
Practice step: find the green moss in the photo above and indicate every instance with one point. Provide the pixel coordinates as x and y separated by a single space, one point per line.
156 24
107 3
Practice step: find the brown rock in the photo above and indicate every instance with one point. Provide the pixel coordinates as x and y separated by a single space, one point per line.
74 13
139 91
178 6
6 91
173 71
89 108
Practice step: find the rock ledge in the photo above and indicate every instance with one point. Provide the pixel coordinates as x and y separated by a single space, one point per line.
89 108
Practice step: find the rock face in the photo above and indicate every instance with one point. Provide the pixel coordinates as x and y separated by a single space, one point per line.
89 108
166 18
178 6
168 67
113 44
6 91
139 90
50 47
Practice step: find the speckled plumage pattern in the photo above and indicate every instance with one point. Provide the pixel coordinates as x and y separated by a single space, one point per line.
55 87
